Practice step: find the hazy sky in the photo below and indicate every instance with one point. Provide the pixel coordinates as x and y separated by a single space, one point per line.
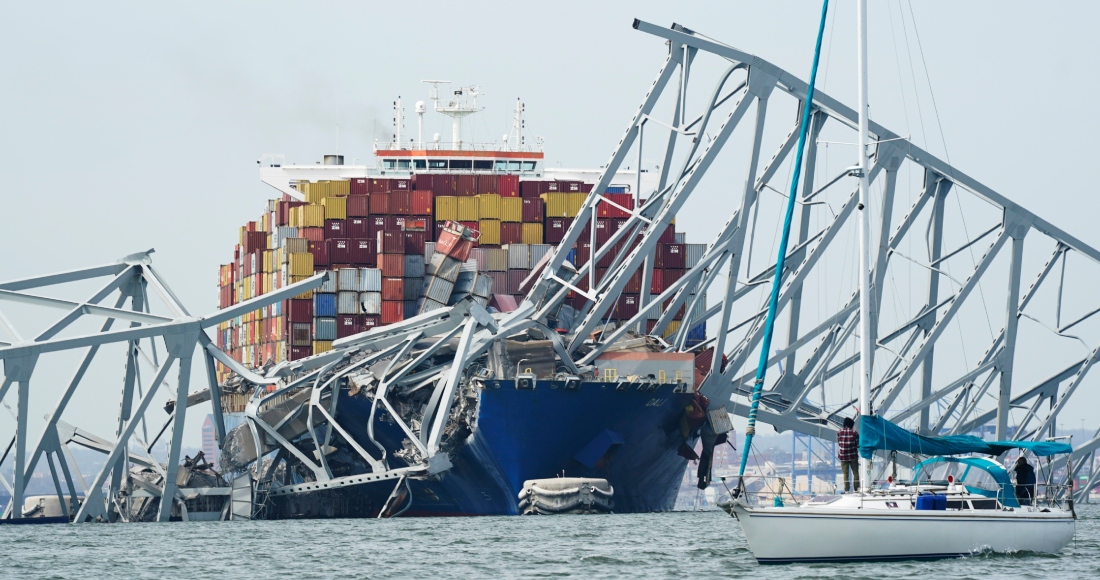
129 126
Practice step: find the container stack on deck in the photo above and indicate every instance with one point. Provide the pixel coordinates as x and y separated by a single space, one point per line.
378 238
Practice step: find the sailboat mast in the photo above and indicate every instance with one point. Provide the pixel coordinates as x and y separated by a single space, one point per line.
865 347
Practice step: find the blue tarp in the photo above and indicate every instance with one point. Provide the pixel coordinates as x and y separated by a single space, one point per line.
877 433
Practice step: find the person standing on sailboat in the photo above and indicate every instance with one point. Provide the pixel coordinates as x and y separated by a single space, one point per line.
847 451
1025 481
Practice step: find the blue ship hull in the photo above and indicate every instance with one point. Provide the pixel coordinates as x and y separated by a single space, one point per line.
627 436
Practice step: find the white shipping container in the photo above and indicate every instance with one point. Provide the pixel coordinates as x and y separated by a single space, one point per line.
324 329
347 280
429 305
444 266
483 285
478 256
429 249
680 237
328 287
538 251
370 280
496 260
347 303
469 266
693 253
519 256
371 302
438 289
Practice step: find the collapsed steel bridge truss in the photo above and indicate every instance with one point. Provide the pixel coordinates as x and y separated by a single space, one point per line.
920 378
922 381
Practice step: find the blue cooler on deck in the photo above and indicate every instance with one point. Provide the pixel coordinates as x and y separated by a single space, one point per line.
930 501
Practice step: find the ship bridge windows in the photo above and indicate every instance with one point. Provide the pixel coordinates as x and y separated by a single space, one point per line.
483 164
437 164
420 164
461 164
396 164
514 166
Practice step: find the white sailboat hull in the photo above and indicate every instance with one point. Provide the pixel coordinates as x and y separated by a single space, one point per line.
797 534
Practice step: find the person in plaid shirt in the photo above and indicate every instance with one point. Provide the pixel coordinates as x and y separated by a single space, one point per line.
847 451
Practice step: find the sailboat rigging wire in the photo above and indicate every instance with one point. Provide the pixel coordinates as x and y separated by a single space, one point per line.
773 302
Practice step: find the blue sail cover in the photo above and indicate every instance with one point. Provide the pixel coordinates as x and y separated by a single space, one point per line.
877 433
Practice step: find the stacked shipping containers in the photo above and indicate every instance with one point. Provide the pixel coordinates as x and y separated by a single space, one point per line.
376 238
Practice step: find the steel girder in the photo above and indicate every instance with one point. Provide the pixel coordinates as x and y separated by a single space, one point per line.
922 377
176 334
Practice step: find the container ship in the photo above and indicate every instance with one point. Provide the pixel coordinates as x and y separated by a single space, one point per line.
432 225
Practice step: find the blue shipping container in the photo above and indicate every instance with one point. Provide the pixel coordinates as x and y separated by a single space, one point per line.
324 304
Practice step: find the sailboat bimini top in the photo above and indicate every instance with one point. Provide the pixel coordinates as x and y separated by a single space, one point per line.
877 433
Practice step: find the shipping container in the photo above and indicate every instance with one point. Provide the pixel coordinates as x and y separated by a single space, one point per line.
378 185
362 253
626 307
320 253
324 304
393 311
328 285
508 185
299 310
608 210
529 189
392 265
321 346
347 303
347 280
557 205
555 230
400 203
693 253
576 202
488 184
414 266
300 264
420 202
335 229
301 333
467 208
336 208
438 184
324 328
443 266
466 185
515 279
511 209
519 256
370 302
428 305
347 325
532 209
379 203
488 206
370 321
511 233
438 289
496 259
370 280
358 186
532 234
465 282
393 289
670 256
446 208
358 227
312 234
483 285
339 251
414 242
413 288
490 232
391 242
500 282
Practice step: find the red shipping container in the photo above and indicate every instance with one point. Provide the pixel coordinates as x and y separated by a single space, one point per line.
670 256
555 229
394 223
320 253
413 224
454 245
607 210
488 184
335 229
393 289
399 203
511 233
603 231
400 184
362 253
515 280
570 186
550 186
378 185
683 307
369 321
358 206
357 227
437 184
421 202
391 242
392 265
439 229
393 311
347 325
465 185
299 352
358 186
379 203
375 224
254 241
634 284
668 236
339 251
586 188
584 252
312 234
508 186
528 189
609 257
662 279
298 310
414 242
626 307
532 210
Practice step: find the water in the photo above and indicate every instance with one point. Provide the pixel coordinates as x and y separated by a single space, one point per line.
668 545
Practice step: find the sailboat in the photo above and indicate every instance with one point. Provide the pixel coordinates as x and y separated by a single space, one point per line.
955 505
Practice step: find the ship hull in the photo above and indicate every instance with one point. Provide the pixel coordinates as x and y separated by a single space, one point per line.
625 435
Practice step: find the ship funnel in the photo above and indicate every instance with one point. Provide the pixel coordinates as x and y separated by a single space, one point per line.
334 159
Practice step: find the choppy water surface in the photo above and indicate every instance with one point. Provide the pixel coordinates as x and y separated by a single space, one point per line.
669 545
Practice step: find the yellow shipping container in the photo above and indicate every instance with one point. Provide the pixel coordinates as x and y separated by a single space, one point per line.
557 205
269 261
532 234
312 216
300 264
511 209
307 295
336 208
296 245
671 328
340 188
446 208
317 191
320 346
490 232
280 350
488 206
576 202
467 209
